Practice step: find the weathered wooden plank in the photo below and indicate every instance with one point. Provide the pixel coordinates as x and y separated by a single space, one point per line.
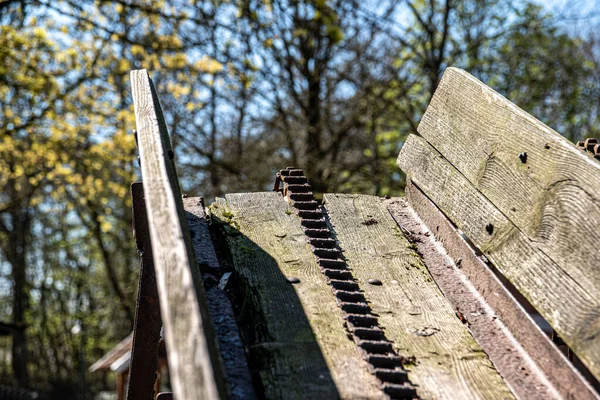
147 324
220 308
571 309
551 192
300 346
194 363
449 364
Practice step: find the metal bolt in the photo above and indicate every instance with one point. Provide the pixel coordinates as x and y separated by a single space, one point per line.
375 282
547 146
293 280
523 157
184 196
489 228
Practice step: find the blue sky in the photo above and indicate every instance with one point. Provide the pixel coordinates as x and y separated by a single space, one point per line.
575 15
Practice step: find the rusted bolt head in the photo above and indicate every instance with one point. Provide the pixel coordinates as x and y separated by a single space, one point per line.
489 228
523 157
293 279
375 282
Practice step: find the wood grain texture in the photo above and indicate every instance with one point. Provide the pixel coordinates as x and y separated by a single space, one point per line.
194 363
553 197
300 348
571 309
412 310
530 363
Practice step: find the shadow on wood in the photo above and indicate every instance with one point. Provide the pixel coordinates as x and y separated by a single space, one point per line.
285 358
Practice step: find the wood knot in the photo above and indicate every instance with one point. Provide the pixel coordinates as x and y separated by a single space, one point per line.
523 157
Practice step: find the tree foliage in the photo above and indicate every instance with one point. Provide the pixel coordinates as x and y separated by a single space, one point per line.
248 87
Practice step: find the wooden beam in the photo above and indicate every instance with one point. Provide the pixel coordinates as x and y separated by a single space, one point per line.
147 324
571 308
194 363
542 183
416 316
298 345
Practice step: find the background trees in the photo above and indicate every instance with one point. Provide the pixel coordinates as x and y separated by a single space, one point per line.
248 87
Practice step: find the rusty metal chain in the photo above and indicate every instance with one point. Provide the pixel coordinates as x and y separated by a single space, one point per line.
360 322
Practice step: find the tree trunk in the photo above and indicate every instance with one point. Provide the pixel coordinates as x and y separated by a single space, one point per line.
16 256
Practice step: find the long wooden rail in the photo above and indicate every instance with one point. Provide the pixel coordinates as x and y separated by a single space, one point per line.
194 363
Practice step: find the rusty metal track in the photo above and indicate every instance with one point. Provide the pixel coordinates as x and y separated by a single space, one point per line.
360 322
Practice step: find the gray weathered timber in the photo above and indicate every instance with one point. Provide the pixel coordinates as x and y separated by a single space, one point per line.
449 364
553 197
300 347
220 308
147 324
532 365
195 366
571 308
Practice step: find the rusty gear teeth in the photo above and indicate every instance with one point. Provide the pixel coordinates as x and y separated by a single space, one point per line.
591 146
362 325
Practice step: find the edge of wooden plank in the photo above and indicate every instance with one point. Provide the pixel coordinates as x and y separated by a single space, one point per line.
219 304
195 365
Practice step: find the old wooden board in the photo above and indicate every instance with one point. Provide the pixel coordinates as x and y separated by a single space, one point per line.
147 324
572 309
194 363
300 347
541 182
449 364
220 308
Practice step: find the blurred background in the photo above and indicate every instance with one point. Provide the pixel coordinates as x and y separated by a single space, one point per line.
247 87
